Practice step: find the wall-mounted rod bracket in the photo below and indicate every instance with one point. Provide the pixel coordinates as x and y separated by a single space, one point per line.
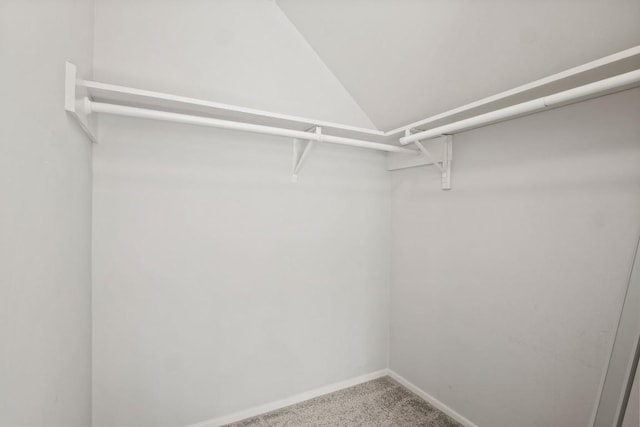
447 156
445 165
429 156
437 152
300 153
76 102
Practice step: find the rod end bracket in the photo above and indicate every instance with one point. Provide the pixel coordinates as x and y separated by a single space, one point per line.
77 104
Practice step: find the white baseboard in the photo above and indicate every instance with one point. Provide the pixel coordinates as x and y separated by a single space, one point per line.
432 400
292 400
258 410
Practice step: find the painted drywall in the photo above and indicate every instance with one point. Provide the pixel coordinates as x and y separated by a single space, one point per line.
623 353
506 290
243 53
218 284
632 414
45 218
404 60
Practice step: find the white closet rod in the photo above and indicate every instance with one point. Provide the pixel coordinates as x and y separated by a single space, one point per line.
599 63
535 105
122 110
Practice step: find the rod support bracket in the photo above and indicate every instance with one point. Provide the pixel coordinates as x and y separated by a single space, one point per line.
447 153
300 153
428 154
447 156
77 103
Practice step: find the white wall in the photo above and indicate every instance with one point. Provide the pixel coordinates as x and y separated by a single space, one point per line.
623 353
45 218
506 289
632 414
218 284
430 56
243 52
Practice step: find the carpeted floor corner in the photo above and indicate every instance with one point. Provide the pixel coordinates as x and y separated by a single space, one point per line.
381 402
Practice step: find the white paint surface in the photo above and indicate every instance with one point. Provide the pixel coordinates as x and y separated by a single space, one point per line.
622 355
45 218
243 52
404 60
506 290
632 414
218 284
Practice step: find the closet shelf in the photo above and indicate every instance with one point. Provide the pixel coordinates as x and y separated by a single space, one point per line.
599 69
620 71
121 95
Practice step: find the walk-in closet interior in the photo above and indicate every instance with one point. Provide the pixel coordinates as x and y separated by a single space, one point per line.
319 213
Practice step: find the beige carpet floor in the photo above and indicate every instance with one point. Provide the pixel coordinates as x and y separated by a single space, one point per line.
381 402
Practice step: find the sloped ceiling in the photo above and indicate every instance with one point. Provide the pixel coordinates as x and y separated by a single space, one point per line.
404 60
240 52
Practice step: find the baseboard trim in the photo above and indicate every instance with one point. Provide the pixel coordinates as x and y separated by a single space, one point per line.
432 400
292 400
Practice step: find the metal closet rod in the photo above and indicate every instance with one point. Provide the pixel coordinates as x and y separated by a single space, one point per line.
122 110
535 105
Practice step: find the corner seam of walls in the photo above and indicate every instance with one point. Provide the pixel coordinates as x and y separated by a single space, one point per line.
91 217
389 270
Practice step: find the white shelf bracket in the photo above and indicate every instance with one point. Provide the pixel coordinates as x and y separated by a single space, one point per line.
300 153
77 104
428 155
447 156
443 163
